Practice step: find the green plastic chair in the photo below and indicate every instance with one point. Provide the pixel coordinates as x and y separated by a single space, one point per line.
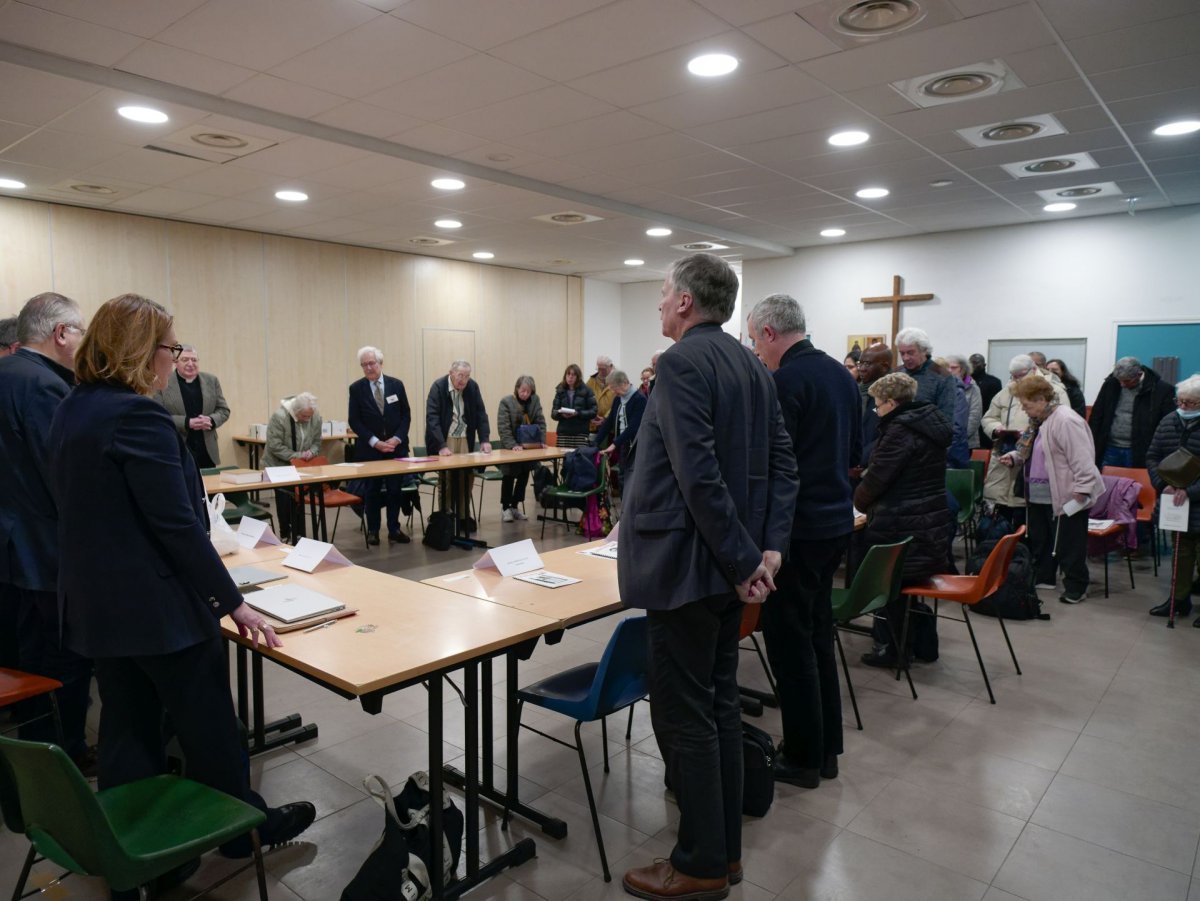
961 485
246 508
876 582
128 835
485 475
559 493
978 469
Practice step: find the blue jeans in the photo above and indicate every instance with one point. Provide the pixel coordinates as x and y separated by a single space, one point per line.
1117 456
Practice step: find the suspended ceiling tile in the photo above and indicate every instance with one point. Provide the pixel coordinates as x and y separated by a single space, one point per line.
779 87
437 139
283 96
146 166
60 150
183 67
485 25
1076 18
600 131
163 201
263 33
792 38
1139 44
228 210
557 105
141 19
63 35
367 120
467 84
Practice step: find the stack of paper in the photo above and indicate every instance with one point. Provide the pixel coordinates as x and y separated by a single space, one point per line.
241 476
289 603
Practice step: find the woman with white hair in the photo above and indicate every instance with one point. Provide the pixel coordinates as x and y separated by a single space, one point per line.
1180 429
957 365
293 433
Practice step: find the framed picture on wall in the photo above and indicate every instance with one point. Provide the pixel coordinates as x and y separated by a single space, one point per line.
860 343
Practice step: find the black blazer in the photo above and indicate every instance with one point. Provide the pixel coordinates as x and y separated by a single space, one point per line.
137 572
31 388
635 407
439 410
715 480
365 419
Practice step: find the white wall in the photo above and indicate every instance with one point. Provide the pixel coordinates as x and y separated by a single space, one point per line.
1067 279
601 323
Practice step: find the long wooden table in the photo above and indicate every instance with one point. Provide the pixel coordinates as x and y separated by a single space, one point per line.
595 596
314 476
404 633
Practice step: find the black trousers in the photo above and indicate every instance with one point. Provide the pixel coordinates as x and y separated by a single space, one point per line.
376 499
191 686
797 624
1058 543
285 506
696 712
514 480
40 651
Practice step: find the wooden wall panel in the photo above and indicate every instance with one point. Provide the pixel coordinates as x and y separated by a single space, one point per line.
306 315
219 301
25 249
99 255
379 312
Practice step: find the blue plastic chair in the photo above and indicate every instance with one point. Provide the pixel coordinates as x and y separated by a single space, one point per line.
591 692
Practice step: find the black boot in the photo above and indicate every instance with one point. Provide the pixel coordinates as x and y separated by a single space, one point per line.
1182 608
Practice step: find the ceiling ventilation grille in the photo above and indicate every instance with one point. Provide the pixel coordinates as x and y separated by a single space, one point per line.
568 217
853 23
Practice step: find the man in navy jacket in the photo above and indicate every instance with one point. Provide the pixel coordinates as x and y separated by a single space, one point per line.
707 517
33 382
379 416
820 404
455 418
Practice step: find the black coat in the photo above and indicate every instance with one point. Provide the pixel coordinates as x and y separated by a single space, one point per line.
1075 396
1154 400
1173 433
439 413
903 491
989 387
366 421
584 407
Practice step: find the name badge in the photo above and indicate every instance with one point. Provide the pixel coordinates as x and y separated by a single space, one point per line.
393 398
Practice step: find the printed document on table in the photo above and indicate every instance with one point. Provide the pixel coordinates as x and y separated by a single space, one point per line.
606 551
546 579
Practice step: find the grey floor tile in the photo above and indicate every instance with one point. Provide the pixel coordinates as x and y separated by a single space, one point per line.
783 845
1146 829
1010 733
1049 866
1145 770
302 780
836 801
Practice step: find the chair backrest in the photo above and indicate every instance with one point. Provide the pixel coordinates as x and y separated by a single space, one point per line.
961 485
750 617
995 567
876 582
979 468
60 812
622 670
313 461
1147 496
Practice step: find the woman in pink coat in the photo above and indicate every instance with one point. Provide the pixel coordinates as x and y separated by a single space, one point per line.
1061 484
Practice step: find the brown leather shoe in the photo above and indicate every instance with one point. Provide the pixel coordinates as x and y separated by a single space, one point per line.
662 882
735 872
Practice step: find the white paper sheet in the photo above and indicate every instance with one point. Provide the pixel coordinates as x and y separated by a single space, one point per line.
1172 518
511 559
310 553
253 532
547 579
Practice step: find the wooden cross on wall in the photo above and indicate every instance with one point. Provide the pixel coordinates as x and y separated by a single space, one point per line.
895 300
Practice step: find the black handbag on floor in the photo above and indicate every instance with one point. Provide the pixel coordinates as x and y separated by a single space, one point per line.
758 762
439 531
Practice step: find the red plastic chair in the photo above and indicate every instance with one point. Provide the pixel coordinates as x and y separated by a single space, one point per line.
334 497
1147 498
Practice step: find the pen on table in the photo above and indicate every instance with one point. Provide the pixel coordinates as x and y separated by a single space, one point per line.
320 626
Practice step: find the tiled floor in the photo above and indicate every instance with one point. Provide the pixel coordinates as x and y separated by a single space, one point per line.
1075 785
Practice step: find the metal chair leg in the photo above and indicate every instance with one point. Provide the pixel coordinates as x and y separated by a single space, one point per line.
336 517
837 638
766 669
604 739
1129 561
29 859
1011 652
259 869
629 728
902 647
978 656
1106 573
587 784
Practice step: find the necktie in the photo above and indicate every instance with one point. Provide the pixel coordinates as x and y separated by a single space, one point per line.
379 395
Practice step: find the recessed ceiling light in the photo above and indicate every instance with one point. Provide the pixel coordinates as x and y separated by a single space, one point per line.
1183 127
849 138
1088 191
832 232
875 17
11 184
711 65
872 193
448 223
484 255
93 189
635 262
448 184
220 140
941 183
658 232
291 196
1012 131
1044 166
142 114
1058 207
499 157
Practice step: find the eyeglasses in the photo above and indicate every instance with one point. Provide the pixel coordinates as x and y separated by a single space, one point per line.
75 328
175 349
1187 404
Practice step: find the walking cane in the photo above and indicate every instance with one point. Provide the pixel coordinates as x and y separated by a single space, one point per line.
1174 573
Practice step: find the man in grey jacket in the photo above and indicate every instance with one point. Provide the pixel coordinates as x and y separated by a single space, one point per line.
708 514
197 407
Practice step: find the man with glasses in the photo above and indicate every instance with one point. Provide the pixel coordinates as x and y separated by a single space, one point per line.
8 336
1131 403
33 382
196 404
380 416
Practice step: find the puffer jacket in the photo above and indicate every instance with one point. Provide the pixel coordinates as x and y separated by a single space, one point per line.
1173 433
903 491
1005 413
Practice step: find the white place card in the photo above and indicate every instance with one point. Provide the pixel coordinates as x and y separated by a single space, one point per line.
547 579
310 553
511 559
1172 518
282 473
255 532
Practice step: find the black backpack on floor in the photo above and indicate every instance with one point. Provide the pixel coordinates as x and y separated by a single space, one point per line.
439 531
758 762
1016 598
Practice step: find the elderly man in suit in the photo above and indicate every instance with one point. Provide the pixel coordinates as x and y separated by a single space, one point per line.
455 418
33 382
708 514
380 416
197 407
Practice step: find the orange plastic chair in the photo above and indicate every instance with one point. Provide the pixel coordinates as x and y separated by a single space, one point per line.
17 686
984 456
1147 498
750 617
970 590
334 497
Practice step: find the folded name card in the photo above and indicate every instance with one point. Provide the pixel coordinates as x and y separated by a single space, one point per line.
310 553
282 473
255 532
511 559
